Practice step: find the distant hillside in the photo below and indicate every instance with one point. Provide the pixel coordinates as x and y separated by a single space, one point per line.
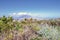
22 17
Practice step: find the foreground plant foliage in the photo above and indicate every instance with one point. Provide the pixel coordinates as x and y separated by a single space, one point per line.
29 29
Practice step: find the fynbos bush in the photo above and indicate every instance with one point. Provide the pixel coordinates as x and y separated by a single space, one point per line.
50 33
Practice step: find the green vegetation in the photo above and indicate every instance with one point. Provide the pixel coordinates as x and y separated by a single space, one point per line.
29 29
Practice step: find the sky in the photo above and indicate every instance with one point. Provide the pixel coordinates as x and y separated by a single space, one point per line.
41 8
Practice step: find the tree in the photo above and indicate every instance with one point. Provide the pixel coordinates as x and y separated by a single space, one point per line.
10 19
4 19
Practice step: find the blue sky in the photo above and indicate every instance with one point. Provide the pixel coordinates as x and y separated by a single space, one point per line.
43 8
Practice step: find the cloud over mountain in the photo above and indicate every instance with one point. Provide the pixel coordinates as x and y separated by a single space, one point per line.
20 15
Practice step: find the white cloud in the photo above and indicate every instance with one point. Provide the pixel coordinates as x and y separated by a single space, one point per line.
20 13
23 13
31 14
12 14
